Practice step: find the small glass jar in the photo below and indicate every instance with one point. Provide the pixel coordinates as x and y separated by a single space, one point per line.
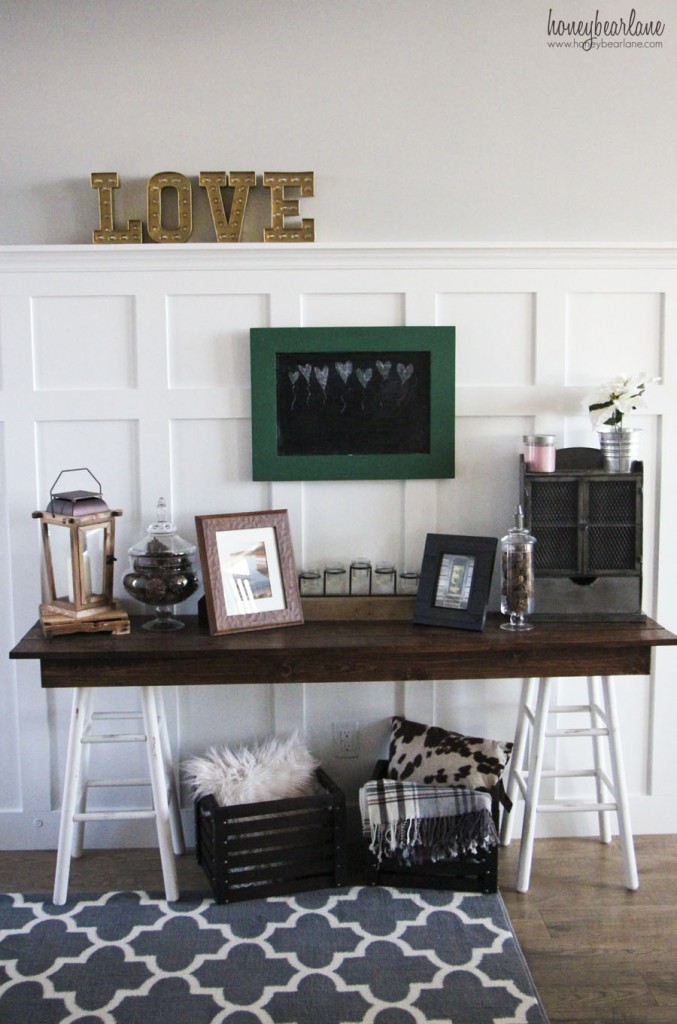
408 582
310 583
383 581
360 577
540 452
335 579
517 575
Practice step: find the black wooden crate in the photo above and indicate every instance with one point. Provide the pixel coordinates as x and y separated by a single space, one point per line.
477 873
273 847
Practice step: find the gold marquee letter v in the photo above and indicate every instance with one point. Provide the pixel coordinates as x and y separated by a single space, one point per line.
228 229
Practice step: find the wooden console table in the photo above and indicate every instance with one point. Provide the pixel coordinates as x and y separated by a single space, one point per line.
323 652
342 652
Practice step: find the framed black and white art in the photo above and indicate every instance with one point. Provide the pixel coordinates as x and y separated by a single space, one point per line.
336 403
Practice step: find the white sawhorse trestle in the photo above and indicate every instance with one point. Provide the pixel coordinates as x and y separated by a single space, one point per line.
74 813
526 771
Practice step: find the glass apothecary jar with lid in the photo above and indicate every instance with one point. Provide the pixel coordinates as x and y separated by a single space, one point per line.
162 571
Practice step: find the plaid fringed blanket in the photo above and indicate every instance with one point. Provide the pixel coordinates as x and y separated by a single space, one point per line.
420 823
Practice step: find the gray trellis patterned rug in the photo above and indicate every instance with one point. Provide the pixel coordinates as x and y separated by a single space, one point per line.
367 955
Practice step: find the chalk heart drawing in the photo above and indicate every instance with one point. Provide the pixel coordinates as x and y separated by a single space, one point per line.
404 372
306 371
364 376
322 376
344 370
294 376
384 368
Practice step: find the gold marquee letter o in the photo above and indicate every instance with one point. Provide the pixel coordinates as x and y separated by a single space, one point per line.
156 185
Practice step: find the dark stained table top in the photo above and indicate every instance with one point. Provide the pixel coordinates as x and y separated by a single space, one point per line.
342 651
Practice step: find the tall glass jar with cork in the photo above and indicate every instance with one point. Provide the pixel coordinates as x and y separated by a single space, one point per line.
517 575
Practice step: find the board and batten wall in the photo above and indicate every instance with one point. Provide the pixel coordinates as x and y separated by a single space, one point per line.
134 362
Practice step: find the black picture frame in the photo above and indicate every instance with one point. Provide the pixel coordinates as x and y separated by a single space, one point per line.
455 581
352 403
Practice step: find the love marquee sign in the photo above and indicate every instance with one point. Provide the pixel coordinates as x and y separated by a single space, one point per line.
227 225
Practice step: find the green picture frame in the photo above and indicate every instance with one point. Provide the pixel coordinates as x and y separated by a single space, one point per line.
353 403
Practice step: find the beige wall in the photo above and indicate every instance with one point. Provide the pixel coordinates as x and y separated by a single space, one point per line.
423 120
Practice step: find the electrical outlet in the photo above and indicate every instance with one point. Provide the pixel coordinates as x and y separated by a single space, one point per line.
346 739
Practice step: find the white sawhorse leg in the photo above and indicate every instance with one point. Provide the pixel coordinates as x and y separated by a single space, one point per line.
533 788
603 723
166 809
171 787
82 701
599 761
515 765
161 800
620 790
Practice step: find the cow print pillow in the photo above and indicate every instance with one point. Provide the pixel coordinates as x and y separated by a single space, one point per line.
427 753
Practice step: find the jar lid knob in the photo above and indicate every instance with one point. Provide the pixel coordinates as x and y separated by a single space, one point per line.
162 523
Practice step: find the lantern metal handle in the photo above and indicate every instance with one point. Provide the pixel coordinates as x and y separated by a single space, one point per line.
81 469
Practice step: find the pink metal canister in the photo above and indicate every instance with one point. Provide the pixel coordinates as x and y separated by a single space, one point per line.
539 452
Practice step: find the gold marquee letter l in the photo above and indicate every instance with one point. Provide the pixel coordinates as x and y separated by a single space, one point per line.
105 182
281 207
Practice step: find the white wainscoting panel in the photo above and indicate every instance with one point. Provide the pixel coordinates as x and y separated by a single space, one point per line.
495 337
134 362
83 342
224 446
344 521
610 330
355 309
208 338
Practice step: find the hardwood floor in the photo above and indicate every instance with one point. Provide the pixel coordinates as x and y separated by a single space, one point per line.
598 953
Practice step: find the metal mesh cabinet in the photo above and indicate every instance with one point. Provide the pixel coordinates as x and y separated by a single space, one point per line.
588 528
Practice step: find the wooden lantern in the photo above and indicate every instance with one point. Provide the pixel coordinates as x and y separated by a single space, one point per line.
78 538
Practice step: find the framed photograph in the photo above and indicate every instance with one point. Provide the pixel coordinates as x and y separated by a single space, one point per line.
248 569
455 580
352 403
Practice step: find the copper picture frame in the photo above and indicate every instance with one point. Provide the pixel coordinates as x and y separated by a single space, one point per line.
248 570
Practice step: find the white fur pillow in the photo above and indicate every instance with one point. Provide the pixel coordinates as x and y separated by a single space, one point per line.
277 769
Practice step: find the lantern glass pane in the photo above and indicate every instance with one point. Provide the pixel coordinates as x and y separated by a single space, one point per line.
94 547
60 549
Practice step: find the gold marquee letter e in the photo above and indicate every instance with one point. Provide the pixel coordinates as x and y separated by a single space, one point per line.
281 207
